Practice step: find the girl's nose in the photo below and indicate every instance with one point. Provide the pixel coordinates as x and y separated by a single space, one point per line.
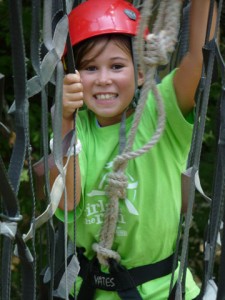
103 78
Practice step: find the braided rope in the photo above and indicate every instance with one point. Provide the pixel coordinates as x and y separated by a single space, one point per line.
151 53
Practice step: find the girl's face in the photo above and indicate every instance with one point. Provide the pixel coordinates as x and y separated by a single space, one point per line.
108 81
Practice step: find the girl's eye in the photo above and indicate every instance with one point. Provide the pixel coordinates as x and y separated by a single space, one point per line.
91 68
117 67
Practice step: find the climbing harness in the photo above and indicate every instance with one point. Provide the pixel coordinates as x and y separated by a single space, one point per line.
119 278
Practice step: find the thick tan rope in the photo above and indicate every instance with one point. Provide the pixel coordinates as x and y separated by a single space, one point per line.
151 53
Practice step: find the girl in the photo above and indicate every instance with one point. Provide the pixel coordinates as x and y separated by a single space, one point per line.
140 262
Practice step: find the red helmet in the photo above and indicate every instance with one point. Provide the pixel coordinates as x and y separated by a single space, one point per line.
97 17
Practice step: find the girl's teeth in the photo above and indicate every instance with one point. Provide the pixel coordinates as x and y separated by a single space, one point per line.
105 96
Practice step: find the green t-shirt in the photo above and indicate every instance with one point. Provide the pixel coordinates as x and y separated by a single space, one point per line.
148 218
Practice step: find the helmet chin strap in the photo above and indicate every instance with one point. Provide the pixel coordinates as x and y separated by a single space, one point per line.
122 132
137 91
135 98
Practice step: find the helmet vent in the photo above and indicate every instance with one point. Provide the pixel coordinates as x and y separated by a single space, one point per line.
131 14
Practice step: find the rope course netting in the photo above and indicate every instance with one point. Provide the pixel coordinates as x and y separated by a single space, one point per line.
37 259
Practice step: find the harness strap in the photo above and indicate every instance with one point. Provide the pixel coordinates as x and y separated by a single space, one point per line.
8 228
221 286
221 146
2 81
217 205
195 151
9 197
131 294
120 279
11 206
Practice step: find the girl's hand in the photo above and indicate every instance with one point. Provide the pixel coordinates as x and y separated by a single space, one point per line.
72 95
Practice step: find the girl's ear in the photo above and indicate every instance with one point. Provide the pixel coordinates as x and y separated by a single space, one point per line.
141 78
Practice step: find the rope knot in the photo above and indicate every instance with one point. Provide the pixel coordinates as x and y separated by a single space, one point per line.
104 254
156 49
117 185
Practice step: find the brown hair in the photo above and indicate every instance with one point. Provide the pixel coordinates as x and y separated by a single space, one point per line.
80 50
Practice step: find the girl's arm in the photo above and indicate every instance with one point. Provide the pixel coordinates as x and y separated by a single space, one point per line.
69 183
72 100
188 75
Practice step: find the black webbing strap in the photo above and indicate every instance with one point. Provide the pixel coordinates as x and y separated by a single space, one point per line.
2 79
50 69
48 42
10 207
59 269
51 41
194 157
196 146
182 48
22 137
19 71
221 285
71 69
9 196
214 222
120 279
221 144
76 2
53 60
3 128
34 53
217 205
